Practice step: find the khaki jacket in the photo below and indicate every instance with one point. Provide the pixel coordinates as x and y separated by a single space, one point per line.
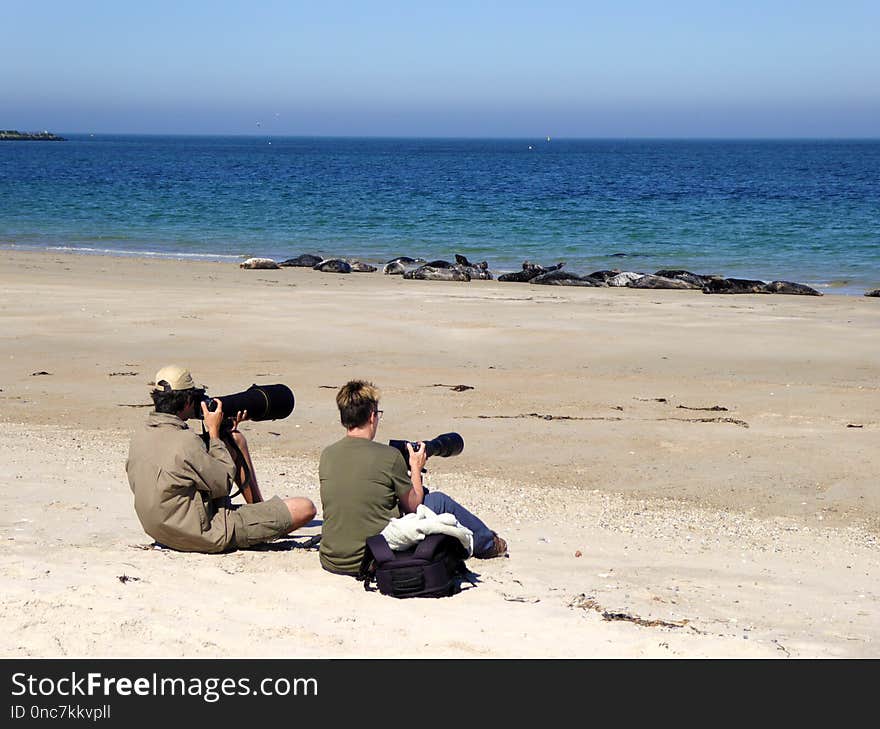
180 486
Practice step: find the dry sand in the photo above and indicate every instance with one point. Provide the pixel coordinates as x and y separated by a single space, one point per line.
749 531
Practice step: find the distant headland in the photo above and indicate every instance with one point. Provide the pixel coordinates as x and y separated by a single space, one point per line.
10 135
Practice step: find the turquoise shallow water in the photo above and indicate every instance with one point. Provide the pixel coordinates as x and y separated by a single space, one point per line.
806 211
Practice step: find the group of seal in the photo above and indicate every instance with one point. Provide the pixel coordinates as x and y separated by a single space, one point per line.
553 275
328 265
440 270
663 279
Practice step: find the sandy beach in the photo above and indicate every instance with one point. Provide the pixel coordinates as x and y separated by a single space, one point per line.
676 474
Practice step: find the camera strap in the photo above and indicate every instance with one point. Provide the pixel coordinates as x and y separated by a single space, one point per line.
239 460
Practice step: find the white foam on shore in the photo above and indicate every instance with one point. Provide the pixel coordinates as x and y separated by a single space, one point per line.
89 250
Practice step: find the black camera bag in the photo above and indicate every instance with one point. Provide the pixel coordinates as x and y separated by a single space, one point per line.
430 569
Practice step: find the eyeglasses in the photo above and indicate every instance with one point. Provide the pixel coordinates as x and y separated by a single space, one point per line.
378 414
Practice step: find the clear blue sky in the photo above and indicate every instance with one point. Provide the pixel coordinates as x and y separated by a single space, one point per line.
738 68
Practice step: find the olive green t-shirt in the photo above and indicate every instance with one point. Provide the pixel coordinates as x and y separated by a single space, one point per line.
361 482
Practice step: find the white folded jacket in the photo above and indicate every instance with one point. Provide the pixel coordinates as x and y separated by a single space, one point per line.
410 529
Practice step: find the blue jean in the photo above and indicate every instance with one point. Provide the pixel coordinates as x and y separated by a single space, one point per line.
440 503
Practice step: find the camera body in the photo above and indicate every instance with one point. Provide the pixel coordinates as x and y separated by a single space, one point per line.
262 402
444 445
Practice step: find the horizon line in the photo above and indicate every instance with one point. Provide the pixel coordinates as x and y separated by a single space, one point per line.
250 135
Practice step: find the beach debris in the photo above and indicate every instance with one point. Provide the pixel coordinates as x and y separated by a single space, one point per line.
333 265
547 416
327 387
734 421
543 417
258 263
873 292
578 553
127 578
454 388
714 408
289 543
855 425
584 602
122 374
651 399
134 405
520 598
642 621
780 647
306 260
41 372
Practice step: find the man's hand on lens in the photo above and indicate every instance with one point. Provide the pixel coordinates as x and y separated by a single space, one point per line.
240 417
213 420
417 458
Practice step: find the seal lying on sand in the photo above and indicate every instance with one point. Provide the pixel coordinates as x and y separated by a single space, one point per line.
474 270
623 278
873 292
749 286
333 265
605 275
401 264
306 260
359 267
735 286
650 281
529 271
680 275
429 273
564 278
789 287
258 263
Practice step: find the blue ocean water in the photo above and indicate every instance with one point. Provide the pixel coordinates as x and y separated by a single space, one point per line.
805 211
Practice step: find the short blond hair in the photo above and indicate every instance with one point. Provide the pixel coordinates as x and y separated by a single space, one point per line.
356 400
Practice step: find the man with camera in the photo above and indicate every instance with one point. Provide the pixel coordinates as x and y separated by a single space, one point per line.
364 485
182 481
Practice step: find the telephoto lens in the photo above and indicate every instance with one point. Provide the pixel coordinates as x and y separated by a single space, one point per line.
262 402
444 445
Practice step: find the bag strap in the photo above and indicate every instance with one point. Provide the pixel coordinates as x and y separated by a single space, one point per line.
376 549
380 549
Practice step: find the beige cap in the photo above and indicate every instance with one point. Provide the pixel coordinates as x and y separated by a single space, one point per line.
175 377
